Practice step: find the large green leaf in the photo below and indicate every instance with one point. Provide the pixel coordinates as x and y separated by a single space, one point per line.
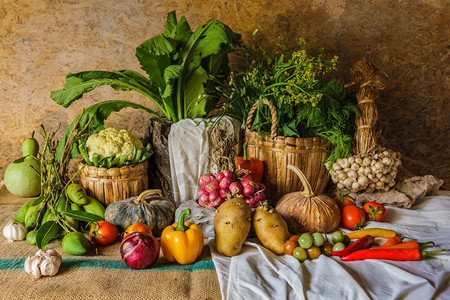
98 113
195 99
82 216
178 31
83 82
46 232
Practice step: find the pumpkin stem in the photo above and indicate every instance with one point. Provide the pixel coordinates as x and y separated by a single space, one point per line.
180 225
141 199
308 191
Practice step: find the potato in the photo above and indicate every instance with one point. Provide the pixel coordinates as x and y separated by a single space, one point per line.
232 224
270 228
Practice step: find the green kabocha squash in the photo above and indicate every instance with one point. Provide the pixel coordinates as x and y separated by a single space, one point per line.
150 208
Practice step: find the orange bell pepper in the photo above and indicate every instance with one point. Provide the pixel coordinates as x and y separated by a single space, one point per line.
254 165
182 241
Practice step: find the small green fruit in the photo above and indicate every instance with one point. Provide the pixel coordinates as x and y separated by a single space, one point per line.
30 147
75 243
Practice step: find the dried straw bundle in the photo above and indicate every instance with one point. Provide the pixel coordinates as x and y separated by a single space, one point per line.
371 167
370 83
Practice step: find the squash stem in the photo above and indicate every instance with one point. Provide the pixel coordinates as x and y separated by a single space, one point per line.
180 225
308 191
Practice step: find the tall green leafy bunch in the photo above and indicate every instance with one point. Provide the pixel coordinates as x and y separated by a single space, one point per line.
294 80
182 67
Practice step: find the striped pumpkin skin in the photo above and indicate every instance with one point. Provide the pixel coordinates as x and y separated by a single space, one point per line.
149 208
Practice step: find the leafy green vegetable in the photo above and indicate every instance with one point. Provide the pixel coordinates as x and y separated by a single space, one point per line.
294 81
179 64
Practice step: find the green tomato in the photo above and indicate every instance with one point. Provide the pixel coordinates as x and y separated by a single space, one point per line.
305 240
313 252
318 239
300 254
326 248
337 236
346 240
338 246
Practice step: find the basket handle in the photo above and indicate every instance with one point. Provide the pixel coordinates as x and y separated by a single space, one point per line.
273 112
142 196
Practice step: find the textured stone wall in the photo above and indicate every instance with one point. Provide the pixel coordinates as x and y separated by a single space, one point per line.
41 41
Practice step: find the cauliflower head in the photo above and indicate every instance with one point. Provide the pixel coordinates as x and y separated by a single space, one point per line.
112 142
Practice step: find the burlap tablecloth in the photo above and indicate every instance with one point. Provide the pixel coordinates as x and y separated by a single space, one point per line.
102 276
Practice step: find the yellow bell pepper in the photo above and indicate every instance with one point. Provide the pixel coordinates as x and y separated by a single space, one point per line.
182 241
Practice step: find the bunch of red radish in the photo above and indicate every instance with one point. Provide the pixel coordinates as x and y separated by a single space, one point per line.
214 190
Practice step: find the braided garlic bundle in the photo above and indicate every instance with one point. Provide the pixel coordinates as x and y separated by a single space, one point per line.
371 167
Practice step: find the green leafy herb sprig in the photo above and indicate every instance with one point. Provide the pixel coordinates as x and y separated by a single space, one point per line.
307 104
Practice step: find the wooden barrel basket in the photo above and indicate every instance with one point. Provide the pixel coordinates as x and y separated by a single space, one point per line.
109 185
277 152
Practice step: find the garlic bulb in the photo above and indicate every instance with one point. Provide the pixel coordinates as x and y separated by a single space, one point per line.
14 231
374 171
43 263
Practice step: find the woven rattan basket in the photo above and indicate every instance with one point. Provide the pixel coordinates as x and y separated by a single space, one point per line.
109 185
277 152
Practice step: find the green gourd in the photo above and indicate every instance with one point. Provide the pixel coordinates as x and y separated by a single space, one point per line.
150 208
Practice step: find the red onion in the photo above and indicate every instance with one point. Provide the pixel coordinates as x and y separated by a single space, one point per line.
205 179
235 187
228 174
213 195
223 193
248 191
225 182
139 250
220 176
217 202
203 199
212 186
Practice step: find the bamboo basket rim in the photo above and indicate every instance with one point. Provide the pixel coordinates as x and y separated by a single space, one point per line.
123 172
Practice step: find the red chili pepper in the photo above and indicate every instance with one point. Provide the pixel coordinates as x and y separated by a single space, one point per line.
360 244
391 242
255 166
389 254
405 245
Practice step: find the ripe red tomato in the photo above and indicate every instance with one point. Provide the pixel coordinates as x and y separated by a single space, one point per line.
289 246
352 217
103 233
375 211
344 200
137 227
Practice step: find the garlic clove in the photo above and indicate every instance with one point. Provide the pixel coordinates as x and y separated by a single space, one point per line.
50 266
32 266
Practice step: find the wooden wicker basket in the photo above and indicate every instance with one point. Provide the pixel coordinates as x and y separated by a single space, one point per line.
277 152
109 185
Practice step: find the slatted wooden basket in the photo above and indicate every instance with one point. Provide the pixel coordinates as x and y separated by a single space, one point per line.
109 185
277 152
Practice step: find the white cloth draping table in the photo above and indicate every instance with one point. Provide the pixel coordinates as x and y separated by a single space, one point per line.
257 273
